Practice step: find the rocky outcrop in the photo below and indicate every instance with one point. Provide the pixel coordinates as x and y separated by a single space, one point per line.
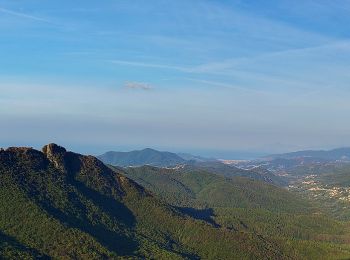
56 154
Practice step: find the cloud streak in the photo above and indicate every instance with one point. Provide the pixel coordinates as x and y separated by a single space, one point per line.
223 85
149 65
23 15
294 69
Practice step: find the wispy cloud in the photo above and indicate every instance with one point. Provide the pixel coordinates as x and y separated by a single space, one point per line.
23 15
223 85
220 66
150 65
138 85
251 73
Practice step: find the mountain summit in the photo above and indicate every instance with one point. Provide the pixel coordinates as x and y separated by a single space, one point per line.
146 156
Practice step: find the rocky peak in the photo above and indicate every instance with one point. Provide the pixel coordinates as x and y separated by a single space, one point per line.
56 154
53 149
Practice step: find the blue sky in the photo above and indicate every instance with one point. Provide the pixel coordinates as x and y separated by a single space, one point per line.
200 76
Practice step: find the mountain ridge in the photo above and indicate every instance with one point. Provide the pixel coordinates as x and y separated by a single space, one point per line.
141 157
333 154
61 204
67 205
156 158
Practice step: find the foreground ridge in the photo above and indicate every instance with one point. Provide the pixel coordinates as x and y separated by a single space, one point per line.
60 204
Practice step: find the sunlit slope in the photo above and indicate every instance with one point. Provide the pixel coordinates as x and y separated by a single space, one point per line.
249 206
64 205
184 187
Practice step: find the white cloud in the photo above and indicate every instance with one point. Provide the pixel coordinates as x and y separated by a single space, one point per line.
138 85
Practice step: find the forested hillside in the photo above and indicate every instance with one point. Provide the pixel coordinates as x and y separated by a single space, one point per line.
58 204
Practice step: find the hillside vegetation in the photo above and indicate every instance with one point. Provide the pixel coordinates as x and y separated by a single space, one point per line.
199 187
62 205
246 205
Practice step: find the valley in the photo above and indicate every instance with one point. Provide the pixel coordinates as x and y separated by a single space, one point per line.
333 198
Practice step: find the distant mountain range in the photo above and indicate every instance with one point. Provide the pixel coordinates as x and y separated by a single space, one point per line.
142 157
156 158
153 157
335 154
195 158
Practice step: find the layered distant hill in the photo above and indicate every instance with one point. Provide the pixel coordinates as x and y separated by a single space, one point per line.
335 154
187 161
141 157
195 158
294 163
192 187
62 205
230 171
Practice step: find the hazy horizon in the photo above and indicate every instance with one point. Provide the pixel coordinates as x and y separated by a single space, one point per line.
205 77
206 153
232 87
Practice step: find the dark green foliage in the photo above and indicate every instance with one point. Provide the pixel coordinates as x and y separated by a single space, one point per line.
12 249
200 188
298 226
67 206
249 206
230 171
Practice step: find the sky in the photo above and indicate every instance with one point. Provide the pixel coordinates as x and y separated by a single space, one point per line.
216 78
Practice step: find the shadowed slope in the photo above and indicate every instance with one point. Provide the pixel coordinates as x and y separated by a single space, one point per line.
66 205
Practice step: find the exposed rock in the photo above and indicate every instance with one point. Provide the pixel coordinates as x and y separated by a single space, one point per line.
56 154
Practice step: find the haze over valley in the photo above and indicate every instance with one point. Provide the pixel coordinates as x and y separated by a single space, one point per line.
187 129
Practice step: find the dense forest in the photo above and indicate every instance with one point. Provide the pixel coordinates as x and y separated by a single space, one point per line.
59 204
